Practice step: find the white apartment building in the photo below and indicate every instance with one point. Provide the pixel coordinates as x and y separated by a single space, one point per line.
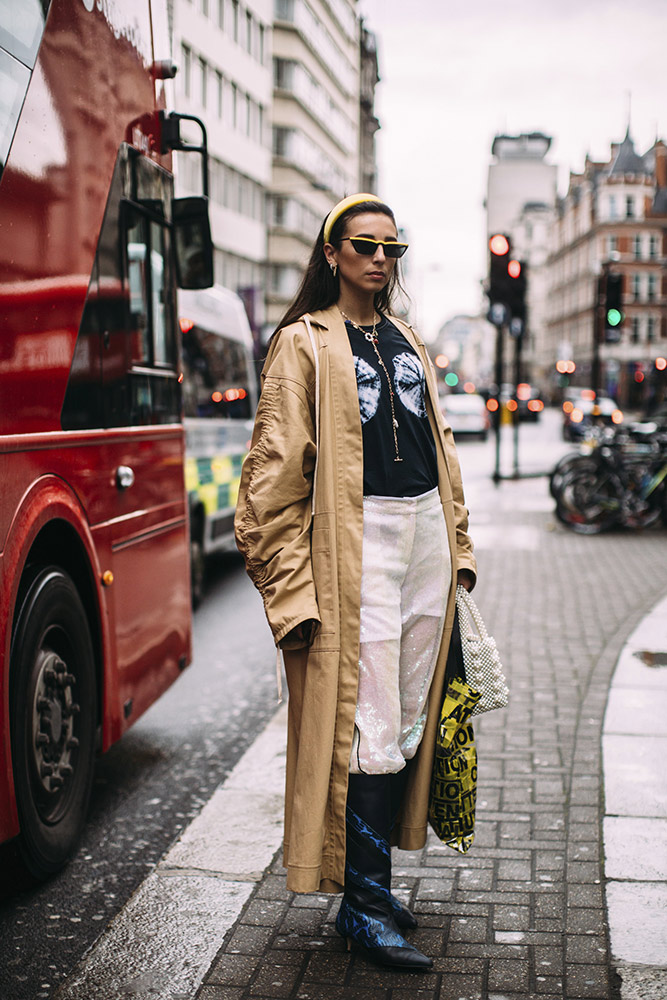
315 120
521 203
223 50
519 174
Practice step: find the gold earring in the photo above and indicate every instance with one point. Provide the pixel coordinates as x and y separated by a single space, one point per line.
334 267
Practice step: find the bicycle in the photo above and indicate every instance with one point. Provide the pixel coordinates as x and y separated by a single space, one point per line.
623 482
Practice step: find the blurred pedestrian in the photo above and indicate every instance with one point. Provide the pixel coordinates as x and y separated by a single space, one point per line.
352 522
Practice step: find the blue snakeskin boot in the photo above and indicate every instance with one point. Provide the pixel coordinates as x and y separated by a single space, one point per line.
367 914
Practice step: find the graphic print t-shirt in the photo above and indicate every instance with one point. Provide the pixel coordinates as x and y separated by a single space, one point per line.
418 472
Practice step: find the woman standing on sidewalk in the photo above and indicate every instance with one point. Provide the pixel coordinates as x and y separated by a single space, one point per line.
352 522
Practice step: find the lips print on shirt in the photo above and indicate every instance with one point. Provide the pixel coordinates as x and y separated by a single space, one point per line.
369 388
410 383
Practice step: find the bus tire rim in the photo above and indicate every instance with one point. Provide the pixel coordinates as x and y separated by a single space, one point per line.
54 709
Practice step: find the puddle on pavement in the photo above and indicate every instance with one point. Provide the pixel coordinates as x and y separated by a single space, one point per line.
651 658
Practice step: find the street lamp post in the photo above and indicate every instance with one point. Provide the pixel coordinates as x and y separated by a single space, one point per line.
498 317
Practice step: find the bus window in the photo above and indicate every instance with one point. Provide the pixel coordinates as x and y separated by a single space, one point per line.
14 79
136 270
21 28
124 367
162 321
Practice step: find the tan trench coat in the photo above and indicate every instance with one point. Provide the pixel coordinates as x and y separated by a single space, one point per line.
309 566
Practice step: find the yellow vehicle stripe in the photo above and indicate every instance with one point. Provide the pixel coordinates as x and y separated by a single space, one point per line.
214 480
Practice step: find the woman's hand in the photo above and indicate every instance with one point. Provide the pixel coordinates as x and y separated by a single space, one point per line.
465 578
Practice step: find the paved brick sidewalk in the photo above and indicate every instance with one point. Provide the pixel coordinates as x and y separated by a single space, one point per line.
523 914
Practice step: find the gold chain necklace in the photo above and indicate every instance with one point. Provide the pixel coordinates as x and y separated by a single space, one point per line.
372 337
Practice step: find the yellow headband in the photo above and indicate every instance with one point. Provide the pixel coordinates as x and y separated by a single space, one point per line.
342 206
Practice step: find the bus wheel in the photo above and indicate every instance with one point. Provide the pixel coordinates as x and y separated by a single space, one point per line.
53 708
197 571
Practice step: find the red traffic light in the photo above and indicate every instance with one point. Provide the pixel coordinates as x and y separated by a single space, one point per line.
514 269
499 245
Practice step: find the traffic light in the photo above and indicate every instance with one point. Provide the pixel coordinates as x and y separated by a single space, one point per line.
613 308
517 278
500 250
507 286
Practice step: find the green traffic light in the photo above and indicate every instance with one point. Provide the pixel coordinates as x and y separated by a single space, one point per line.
614 317
451 379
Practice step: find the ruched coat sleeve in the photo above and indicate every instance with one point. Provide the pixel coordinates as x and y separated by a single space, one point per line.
273 514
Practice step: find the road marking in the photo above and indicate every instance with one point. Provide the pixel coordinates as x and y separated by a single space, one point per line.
163 941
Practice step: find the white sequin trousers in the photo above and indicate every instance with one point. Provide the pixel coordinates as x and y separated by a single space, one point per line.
405 581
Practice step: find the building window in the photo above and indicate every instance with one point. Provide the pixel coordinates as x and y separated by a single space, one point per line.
283 73
186 54
221 13
651 287
612 207
235 104
635 330
248 31
281 140
218 91
262 44
243 103
204 7
284 280
279 210
203 73
650 329
653 247
235 20
636 287
284 10
612 245
637 247
629 207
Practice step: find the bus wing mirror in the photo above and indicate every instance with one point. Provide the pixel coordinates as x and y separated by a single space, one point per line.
193 245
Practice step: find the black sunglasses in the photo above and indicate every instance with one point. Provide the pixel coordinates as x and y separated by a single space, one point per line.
368 247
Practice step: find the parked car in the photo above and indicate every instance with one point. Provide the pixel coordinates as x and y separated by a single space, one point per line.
578 414
466 414
529 403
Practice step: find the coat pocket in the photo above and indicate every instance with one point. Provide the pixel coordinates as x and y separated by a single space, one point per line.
323 562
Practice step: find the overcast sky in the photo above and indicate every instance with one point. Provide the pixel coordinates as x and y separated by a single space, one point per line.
454 74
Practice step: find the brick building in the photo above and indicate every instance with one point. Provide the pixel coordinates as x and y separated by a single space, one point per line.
613 218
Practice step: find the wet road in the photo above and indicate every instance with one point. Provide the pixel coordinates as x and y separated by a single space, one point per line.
147 789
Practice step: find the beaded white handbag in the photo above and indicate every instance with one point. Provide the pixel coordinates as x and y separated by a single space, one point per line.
482 664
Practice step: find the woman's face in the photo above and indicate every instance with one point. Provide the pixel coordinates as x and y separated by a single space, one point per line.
360 273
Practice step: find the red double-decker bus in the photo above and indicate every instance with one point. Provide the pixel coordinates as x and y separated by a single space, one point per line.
94 570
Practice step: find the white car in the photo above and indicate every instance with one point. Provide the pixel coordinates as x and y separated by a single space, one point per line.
466 413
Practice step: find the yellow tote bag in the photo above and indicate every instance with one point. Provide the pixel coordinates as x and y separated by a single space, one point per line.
454 779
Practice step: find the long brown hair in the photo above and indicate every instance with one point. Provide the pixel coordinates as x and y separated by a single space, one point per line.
319 288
